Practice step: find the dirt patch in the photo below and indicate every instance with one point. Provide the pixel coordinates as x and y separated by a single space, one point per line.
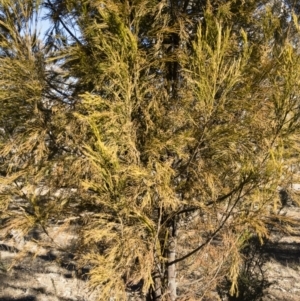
41 272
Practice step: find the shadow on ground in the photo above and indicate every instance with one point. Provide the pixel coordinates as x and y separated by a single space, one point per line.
252 281
283 252
27 298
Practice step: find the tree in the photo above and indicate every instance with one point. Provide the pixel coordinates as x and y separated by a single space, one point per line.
166 126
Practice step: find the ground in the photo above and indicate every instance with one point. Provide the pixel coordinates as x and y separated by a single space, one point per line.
45 269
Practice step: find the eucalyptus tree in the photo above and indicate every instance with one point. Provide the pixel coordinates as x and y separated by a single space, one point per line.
167 127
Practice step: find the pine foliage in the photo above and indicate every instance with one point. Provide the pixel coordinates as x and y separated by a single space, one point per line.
152 122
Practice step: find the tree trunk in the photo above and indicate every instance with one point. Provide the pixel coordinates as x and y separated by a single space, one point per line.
172 268
157 290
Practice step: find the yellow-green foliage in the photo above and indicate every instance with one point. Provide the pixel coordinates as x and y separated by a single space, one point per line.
135 146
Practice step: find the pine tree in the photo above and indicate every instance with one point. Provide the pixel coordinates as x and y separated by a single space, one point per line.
165 127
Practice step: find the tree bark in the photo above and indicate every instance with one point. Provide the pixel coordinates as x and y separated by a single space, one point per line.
157 294
172 268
